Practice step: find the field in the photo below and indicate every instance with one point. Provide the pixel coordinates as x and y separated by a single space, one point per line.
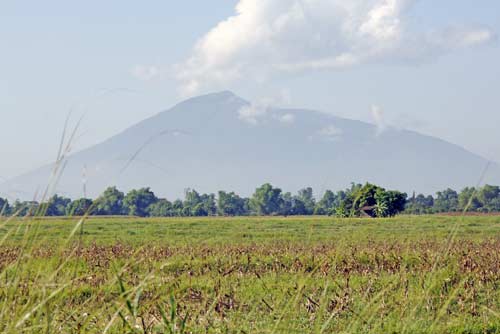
250 275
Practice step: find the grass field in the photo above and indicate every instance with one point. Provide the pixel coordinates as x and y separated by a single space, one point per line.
250 275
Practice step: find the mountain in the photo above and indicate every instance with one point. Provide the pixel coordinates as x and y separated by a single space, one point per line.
222 142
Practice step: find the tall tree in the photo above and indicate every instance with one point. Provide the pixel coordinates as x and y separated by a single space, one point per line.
110 203
22 209
4 207
162 208
389 203
363 197
418 205
326 205
209 204
178 208
468 200
489 196
266 200
138 201
306 196
372 200
80 207
56 206
287 204
230 204
446 201
192 203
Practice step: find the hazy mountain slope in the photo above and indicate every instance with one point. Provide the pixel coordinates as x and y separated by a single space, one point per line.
206 144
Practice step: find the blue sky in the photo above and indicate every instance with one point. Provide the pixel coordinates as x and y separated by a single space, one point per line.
118 62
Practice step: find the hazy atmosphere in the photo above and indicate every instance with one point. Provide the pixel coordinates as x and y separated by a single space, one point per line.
422 65
250 167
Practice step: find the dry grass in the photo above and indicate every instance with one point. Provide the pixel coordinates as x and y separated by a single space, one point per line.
305 275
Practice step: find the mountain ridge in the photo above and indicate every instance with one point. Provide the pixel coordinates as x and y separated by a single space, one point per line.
220 141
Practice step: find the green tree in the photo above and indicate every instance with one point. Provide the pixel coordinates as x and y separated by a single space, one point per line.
23 209
446 201
372 200
196 204
80 207
198 210
266 200
298 207
489 196
494 205
110 203
363 198
389 203
209 204
4 207
346 200
468 200
341 211
178 208
162 208
56 206
138 201
230 204
326 205
418 205
382 208
306 198
192 202
287 204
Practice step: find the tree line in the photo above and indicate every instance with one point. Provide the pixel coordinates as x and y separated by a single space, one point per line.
482 200
358 200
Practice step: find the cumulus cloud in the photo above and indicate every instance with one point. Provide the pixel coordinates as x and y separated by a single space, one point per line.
266 37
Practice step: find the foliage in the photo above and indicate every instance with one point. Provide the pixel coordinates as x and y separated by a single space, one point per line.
56 206
389 203
196 205
266 200
138 202
489 198
230 204
80 207
4 207
326 204
355 201
162 208
419 205
446 201
110 203
307 202
24 209
178 208
368 200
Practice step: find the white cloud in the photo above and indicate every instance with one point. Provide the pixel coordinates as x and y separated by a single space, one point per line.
379 119
331 132
252 113
145 72
262 112
264 109
269 36
287 118
460 37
